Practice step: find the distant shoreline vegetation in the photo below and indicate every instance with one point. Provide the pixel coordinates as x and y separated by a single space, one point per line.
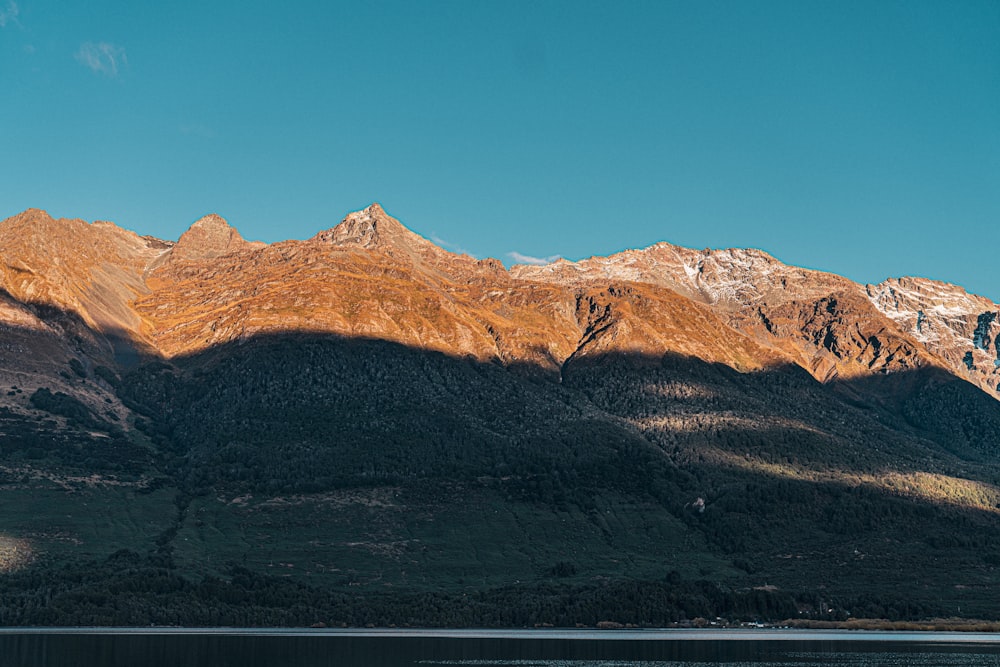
863 630
885 625
129 590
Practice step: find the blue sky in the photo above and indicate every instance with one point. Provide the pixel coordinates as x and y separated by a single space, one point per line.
856 137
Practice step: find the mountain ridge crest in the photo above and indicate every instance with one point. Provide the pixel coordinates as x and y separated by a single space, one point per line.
212 286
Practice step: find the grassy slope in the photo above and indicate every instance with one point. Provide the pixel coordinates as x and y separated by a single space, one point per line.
380 539
83 522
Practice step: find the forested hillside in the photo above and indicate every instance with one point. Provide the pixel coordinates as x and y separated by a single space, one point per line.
365 429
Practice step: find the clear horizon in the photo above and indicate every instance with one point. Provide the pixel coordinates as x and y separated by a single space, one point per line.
857 138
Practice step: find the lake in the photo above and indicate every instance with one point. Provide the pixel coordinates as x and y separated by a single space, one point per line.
92 647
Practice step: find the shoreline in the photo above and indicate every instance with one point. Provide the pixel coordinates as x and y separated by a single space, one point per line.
571 634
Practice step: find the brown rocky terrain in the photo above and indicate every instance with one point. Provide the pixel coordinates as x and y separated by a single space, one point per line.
98 292
67 290
828 325
961 328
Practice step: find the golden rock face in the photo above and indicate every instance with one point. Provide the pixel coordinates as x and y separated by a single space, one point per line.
89 289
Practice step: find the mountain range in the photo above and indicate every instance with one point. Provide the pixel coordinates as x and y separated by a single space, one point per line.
366 414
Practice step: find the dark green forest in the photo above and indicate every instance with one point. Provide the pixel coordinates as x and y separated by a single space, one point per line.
304 480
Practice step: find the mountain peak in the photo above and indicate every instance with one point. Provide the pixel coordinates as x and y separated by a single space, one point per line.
34 213
210 236
29 217
371 227
212 220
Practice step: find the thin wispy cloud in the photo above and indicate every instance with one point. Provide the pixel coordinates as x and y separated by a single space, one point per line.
8 15
450 246
102 57
535 261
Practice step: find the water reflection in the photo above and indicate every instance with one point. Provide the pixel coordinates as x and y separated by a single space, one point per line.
92 650
791 660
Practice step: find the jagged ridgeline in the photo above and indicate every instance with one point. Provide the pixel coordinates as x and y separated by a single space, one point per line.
365 428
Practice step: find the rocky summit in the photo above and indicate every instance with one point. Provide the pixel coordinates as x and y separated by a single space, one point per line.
366 415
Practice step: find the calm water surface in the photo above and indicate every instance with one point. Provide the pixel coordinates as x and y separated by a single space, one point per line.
249 648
